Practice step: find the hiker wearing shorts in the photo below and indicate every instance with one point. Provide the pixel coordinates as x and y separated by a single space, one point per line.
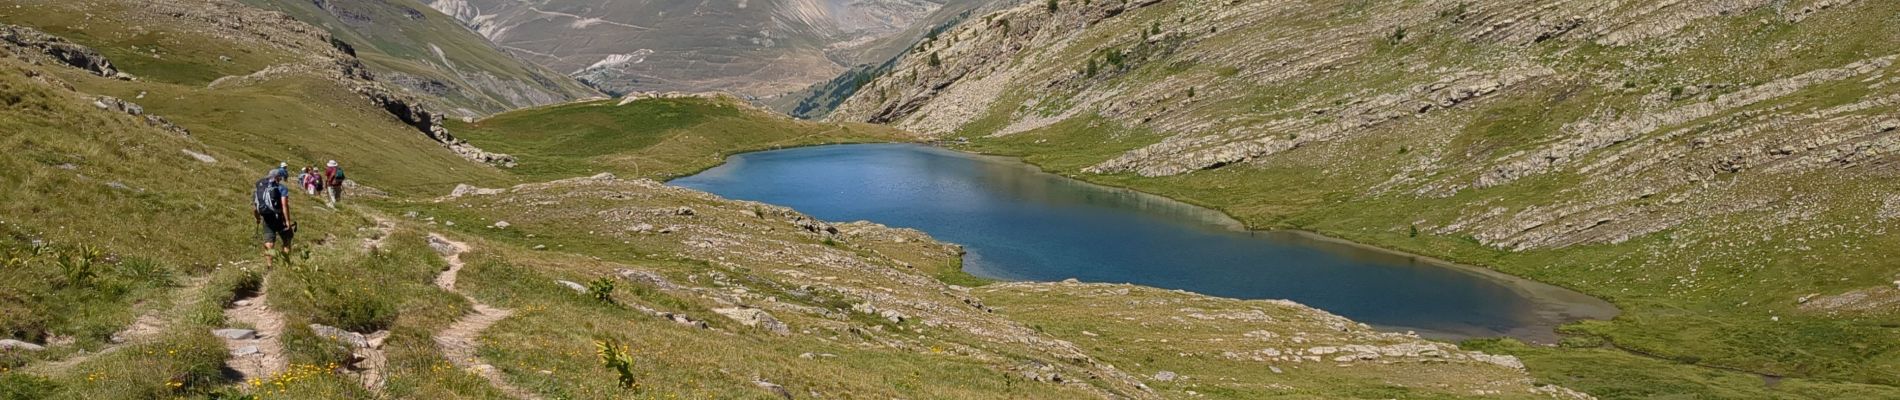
333 178
270 206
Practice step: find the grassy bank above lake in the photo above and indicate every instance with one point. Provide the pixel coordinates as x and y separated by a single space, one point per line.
1764 330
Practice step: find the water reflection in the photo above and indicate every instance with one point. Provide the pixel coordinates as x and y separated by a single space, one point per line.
1019 223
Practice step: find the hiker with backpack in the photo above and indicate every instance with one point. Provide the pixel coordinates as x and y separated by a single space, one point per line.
270 206
311 183
333 177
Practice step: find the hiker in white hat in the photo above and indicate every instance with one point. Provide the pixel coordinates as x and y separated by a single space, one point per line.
333 179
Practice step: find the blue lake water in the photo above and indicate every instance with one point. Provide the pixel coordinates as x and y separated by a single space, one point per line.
1019 223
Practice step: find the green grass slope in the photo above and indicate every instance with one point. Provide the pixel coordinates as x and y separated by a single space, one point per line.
657 138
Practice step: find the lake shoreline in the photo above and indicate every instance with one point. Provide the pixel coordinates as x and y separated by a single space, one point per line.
1549 306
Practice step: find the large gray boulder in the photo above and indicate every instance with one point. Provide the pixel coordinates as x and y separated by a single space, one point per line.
756 318
646 277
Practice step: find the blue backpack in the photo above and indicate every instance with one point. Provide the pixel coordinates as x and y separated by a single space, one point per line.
265 199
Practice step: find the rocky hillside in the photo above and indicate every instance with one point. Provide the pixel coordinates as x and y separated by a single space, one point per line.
755 49
433 56
129 269
1730 160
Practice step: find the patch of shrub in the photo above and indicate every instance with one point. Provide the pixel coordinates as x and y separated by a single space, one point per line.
601 289
355 309
23 386
618 358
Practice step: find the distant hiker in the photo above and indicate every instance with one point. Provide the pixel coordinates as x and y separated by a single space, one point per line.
333 177
311 183
270 206
283 169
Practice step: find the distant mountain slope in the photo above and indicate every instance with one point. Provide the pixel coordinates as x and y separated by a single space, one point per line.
1724 170
817 100
432 55
753 48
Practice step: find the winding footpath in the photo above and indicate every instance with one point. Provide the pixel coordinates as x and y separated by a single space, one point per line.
461 340
258 354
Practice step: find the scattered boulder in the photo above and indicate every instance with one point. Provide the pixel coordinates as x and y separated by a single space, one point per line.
201 157
501 225
441 245
110 103
1166 376
756 318
896 317
10 344
352 339
463 189
774 388
245 351
645 277
235 334
814 226
577 287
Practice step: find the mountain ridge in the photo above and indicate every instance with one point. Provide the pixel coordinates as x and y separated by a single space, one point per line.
758 50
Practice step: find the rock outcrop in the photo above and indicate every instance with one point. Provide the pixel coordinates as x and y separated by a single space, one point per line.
412 112
59 49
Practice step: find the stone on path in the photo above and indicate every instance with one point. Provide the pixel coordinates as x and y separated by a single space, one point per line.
235 334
